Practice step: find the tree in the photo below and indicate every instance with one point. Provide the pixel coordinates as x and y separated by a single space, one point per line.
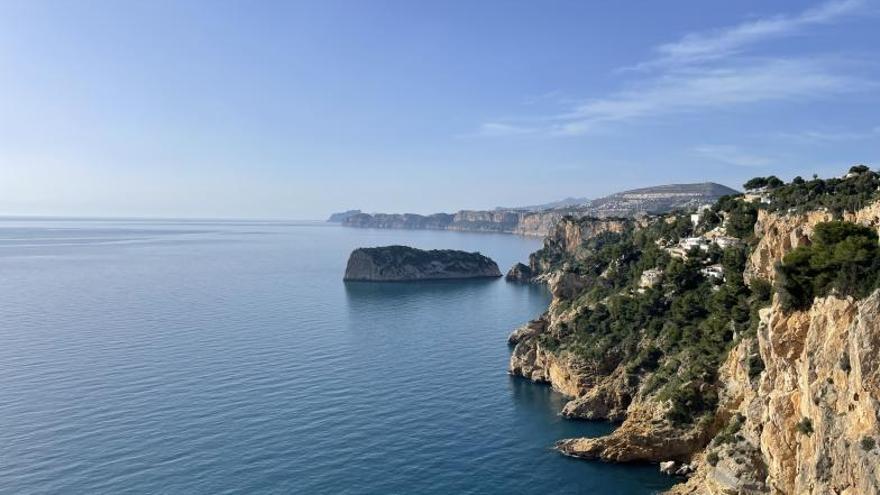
858 169
843 258
773 182
755 183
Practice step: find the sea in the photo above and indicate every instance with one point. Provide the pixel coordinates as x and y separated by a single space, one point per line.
212 357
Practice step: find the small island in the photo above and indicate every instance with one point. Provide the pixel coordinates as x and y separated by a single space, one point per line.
403 264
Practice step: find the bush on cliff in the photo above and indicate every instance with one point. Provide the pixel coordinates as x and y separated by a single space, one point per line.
843 259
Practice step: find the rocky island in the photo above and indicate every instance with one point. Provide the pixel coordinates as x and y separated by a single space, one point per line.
403 263
739 347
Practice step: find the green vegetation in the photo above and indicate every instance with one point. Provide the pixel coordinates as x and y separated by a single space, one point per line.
673 335
770 182
868 443
843 259
712 458
729 433
838 195
740 216
805 426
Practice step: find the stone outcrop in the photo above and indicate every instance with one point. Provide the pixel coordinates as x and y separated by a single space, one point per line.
402 263
519 273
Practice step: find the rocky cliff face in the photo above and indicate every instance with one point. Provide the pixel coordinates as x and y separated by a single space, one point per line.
798 409
810 418
567 235
439 221
809 421
778 233
402 263
534 221
500 221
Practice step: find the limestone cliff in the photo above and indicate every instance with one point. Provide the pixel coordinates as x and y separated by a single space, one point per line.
810 418
540 220
567 235
780 232
795 394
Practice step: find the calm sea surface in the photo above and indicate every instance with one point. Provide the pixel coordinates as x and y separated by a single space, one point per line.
229 357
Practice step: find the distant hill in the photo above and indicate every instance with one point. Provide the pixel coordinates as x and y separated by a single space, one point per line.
656 199
539 219
562 203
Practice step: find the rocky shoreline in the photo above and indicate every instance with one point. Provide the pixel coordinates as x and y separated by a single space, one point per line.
797 397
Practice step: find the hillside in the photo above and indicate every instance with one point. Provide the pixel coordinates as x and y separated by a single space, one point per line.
657 199
742 351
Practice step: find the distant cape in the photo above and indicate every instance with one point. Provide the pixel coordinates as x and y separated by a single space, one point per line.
537 220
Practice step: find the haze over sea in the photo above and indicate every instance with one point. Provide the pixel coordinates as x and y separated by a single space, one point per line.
229 357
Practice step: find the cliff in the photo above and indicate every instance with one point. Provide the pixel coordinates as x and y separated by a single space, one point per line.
718 378
402 263
341 216
809 422
439 221
536 221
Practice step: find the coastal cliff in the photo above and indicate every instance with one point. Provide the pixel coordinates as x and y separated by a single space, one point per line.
402 263
537 221
729 377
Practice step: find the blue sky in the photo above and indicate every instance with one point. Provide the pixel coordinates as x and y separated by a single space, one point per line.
296 109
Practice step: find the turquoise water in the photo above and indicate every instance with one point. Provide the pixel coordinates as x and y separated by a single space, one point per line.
229 357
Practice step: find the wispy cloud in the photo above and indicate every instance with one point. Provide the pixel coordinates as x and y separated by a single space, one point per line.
701 47
708 71
732 155
712 88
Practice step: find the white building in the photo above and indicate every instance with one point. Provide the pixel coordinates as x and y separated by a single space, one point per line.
713 271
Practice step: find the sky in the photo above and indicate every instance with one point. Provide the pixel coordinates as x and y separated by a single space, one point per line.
296 109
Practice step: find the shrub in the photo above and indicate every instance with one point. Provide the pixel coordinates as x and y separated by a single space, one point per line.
805 426
712 458
868 443
762 291
729 433
843 258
